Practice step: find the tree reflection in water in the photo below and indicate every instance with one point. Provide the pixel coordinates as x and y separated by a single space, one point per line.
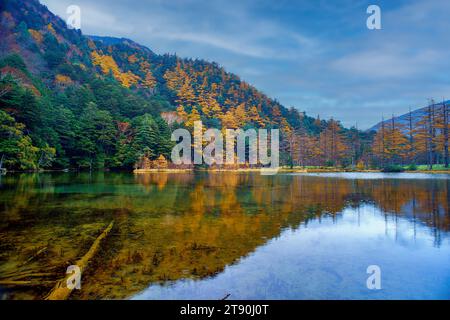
180 226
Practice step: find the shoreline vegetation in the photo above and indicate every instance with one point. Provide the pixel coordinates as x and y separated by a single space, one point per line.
404 169
287 170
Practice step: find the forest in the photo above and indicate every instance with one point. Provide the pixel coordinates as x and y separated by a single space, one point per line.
70 101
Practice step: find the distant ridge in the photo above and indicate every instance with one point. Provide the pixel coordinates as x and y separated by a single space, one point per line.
404 119
112 41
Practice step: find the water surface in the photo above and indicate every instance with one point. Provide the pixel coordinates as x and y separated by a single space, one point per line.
203 236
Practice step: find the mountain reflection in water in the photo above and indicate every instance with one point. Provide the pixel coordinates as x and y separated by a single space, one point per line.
208 235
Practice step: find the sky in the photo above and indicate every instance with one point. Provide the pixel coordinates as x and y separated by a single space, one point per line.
317 56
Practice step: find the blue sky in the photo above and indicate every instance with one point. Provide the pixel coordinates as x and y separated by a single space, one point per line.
317 56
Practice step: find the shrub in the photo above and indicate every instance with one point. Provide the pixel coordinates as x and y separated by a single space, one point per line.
329 163
393 168
411 167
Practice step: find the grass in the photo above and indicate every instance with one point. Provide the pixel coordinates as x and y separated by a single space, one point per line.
409 168
436 167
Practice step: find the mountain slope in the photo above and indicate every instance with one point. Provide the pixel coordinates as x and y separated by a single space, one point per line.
88 101
403 120
50 49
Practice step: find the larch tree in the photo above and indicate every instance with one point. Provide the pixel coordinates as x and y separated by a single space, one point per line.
397 142
333 145
412 153
446 129
379 144
441 137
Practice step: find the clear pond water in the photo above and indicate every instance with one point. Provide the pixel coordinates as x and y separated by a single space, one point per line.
204 236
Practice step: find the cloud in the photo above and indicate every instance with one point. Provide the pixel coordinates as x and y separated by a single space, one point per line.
94 18
231 28
383 63
216 41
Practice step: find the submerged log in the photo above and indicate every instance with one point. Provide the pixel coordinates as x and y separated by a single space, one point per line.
24 283
60 291
19 276
22 272
41 251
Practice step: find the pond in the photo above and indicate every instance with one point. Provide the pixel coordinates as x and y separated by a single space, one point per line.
210 235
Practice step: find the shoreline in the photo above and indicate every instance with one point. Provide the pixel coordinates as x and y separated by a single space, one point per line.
281 170
286 170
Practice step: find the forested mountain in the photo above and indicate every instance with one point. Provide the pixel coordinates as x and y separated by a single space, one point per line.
68 100
420 136
73 101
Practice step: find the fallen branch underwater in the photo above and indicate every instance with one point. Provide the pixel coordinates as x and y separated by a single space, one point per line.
41 251
24 283
60 291
19 276
24 273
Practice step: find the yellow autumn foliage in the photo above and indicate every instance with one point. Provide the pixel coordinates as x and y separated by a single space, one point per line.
108 64
132 59
150 80
62 79
128 79
36 35
51 29
91 44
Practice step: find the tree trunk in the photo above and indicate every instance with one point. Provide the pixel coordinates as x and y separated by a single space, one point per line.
61 291
412 158
383 146
444 106
433 134
430 139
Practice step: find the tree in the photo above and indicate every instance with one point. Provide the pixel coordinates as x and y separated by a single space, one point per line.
109 66
14 60
149 81
332 144
145 142
425 130
397 142
164 145
445 124
355 145
412 152
46 157
255 118
209 106
6 84
186 94
16 149
192 117
229 121
442 128
30 111
379 145
240 115
96 137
